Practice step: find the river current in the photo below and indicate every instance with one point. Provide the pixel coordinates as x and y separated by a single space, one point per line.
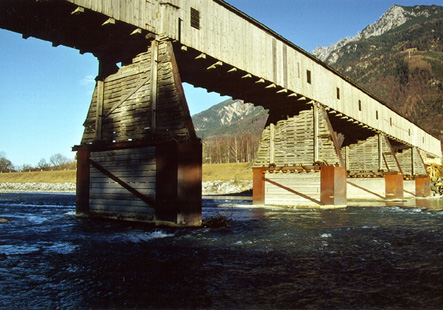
265 258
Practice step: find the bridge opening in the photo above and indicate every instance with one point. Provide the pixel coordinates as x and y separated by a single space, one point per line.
45 94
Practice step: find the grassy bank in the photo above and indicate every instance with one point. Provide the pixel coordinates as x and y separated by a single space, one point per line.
62 176
211 172
226 172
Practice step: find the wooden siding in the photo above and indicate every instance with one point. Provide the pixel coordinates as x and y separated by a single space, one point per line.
238 40
292 142
135 167
292 189
127 104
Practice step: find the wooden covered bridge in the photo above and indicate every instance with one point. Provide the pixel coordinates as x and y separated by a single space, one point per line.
326 139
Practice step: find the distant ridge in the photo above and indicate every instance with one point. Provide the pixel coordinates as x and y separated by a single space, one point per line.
230 117
399 59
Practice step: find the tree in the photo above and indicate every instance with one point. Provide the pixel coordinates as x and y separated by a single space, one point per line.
58 160
5 164
43 164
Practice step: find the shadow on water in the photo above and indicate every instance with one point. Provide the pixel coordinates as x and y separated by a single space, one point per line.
371 258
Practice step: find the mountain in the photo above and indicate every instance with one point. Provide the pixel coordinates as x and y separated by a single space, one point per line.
399 59
393 18
230 118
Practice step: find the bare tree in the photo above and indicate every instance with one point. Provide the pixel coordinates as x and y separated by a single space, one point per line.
58 160
43 164
5 164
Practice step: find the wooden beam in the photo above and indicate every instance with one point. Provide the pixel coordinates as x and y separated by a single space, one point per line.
154 85
181 93
78 10
201 56
99 115
316 127
110 20
334 137
393 154
271 144
215 65
136 31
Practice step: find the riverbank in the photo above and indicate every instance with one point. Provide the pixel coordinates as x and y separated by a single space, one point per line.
218 179
216 187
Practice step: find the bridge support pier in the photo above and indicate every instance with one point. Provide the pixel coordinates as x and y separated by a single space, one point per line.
258 190
140 159
333 186
147 183
82 189
179 183
422 186
394 186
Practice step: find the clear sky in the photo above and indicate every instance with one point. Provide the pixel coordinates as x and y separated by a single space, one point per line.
45 91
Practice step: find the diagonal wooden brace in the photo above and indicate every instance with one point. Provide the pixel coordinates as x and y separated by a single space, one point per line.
123 184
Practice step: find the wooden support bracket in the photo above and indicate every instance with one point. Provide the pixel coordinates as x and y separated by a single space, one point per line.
136 31
109 21
393 154
201 56
334 138
215 65
78 10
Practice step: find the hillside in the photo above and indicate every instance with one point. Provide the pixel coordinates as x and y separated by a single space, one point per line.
400 60
230 131
230 117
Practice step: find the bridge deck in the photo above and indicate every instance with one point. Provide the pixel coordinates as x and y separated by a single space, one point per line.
222 49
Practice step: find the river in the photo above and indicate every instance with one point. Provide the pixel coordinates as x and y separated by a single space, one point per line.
265 258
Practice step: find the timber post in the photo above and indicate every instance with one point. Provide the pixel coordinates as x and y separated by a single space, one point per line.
394 186
333 185
422 186
178 185
258 181
82 188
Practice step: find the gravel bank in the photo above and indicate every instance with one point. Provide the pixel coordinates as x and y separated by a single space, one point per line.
208 188
37 187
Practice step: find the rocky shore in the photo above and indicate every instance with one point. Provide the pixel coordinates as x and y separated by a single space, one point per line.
208 188
37 187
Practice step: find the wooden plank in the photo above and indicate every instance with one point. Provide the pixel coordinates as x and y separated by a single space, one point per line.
154 85
125 185
105 188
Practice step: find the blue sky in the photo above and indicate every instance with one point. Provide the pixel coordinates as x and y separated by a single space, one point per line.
45 91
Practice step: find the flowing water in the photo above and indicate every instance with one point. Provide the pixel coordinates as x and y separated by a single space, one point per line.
266 258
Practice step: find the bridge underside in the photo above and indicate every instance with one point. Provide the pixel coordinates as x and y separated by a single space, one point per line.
139 158
64 23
